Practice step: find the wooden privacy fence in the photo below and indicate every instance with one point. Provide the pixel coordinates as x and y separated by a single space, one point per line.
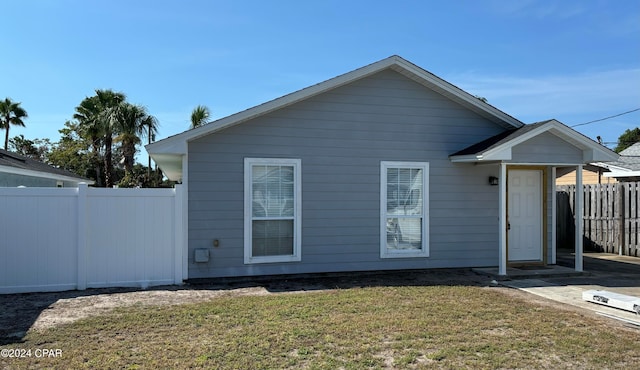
55 239
610 217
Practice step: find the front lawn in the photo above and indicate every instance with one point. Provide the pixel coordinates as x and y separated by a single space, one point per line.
358 328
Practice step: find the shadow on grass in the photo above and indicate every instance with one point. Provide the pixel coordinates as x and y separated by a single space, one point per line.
18 312
348 280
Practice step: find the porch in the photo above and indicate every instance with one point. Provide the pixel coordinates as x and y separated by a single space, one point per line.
526 161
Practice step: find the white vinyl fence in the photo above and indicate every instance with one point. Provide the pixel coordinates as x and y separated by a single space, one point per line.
54 239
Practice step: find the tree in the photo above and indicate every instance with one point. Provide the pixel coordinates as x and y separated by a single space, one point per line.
97 115
37 149
106 130
11 113
89 128
200 116
627 138
131 123
73 153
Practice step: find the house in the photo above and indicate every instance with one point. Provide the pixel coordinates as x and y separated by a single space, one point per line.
17 170
592 173
386 167
627 167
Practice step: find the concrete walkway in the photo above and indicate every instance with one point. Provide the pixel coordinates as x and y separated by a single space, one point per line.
618 274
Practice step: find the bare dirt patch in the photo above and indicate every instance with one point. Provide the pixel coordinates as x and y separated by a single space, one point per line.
20 313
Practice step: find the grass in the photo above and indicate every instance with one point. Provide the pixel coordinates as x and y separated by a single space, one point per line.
360 328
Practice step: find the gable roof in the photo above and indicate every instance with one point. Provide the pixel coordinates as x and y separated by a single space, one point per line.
627 166
629 159
498 148
167 152
15 163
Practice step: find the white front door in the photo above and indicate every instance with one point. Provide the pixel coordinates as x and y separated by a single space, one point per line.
524 215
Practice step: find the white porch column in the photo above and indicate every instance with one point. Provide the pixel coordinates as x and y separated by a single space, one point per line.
578 213
502 221
553 216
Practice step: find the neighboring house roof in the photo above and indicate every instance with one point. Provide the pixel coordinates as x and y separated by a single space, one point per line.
20 165
627 165
498 147
168 152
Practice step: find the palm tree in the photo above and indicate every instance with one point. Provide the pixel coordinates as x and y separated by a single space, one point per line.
97 115
11 113
199 116
110 103
132 122
90 129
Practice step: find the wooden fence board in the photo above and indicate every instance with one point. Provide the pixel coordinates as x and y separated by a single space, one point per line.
611 217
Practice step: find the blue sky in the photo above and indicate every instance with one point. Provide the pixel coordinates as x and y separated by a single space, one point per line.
575 61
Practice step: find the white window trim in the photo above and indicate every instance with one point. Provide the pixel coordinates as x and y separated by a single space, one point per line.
384 252
248 212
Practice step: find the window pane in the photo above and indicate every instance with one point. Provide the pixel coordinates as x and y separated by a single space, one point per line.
404 191
273 191
404 233
272 238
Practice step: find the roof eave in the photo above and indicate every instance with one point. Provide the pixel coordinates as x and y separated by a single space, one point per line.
42 174
592 151
622 174
177 143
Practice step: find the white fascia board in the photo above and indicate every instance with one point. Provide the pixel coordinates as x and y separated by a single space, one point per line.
465 158
40 174
621 174
611 167
608 166
503 154
167 146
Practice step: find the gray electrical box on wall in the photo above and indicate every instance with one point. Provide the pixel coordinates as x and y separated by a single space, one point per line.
201 255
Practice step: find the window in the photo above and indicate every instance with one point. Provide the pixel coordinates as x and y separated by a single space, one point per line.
272 196
404 200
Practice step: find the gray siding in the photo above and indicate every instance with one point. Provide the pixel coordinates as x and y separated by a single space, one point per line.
546 148
341 137
9 180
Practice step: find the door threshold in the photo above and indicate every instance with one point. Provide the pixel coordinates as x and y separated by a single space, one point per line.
527 265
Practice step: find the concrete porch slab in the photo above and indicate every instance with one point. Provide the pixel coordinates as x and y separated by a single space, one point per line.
530 272
572 295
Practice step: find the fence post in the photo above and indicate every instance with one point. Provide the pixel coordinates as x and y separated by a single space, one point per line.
82 236
178 244
579 215
554 216
619 216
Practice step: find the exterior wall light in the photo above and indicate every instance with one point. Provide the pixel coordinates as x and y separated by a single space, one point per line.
493 180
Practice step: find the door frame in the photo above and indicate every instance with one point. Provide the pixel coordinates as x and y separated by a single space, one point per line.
544 221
